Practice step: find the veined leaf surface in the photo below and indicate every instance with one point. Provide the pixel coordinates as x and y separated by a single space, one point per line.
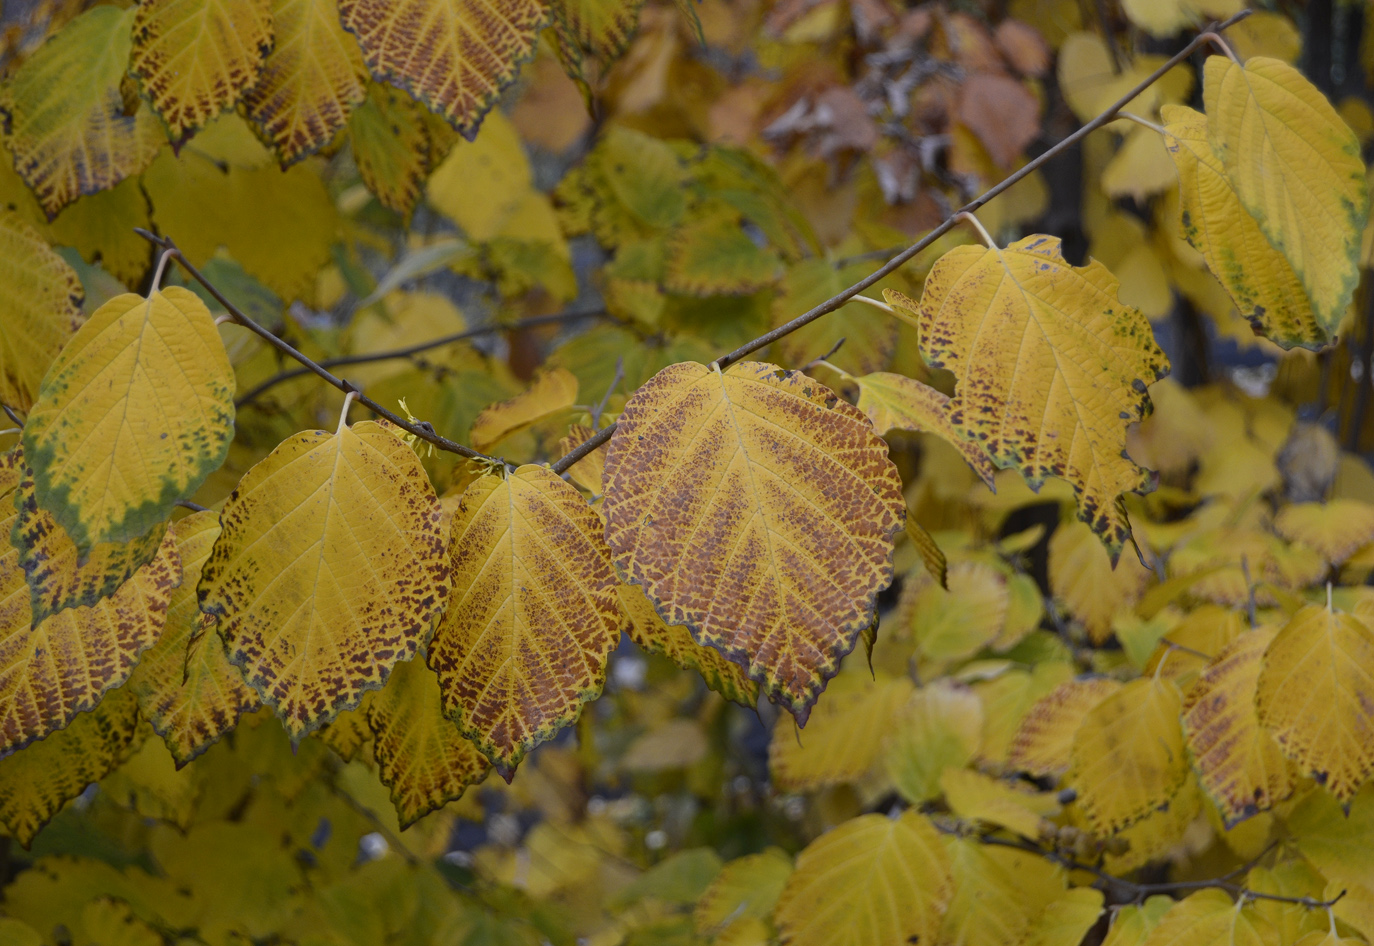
40 309
330 569
391 146
1209 918
195 57
873 881
552 392
647 630
1297 168
758 509
454 55
1043 744
534 613
422 756
896 402
1051 369
594 29
135 413
1334 529
63 114
186 686
1259 278
1316 694
844 740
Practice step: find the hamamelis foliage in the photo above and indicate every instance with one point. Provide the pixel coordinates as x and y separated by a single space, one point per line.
402 391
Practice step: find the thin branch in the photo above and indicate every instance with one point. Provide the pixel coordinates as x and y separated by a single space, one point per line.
1214 37
896 262
610 389
533 321
1143 122
422 429
194 507
10 413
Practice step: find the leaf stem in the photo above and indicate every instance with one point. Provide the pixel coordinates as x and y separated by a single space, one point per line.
1143 122
977 224
162 259
896 262
869 300
422 429
343 414
1214 37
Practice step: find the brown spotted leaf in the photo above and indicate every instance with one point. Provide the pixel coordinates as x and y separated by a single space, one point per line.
391 146
1051 369
186 686
421 754
40 309
598 30
896 402
758 509
309 83
454 55
534 613
194 58
590 471
330 569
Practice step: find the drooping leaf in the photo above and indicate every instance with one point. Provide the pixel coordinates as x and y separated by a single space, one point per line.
135 413
757 508
1127 756
309 83
1297 168
873 881
186 686
421 754
1315 693
454 55
896 402
1335 529
53 670
1238 762
1051 368
594 29
391 147
37 782
1259 278
553 392
194 58
64 116
647 630
934 560
330 569
844 739
40 309
1084 579
534 613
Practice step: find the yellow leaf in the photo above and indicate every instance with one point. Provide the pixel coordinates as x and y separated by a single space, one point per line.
956 623
1051 368
940 728
715 256
533 617
1316 694
553 392
194 58
108 920
1131 924
1257 276
391 146
757 508
998 891
1263 33
1238 763
1335 529
1064 922
1297 168
1335 838
133 415
454 55
649 632
186 686
843 741
151 784
896 402
309 83
40 309
1212 918
1295 878
36 782
1043 745
873 881
932 558
411 318
73 137
1082 577
1164 18
330 569
101 227
869 339
421 755
590 471
1127 757
19 933
1140 169
497 158
974 796
595 29
1007 697
748 886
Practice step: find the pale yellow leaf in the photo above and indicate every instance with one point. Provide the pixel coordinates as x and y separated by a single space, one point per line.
1083 579
844 738
939 728
1043 745
552 393
896 402
40 309
1335 529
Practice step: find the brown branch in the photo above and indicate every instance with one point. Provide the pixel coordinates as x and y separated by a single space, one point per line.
10 413
422 429
531 322
896 262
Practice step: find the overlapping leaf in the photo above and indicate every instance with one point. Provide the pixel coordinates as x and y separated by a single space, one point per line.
1211 917
421 754
195 57
647 630
40 309
1297 169
594 29
552 393
758 509
590 471
1051 368
330 569
1315 692
185 685
64 115
454 55
844 740
391 146
1335 529
135 413
896 402
873 880
534 613
309 83
746 887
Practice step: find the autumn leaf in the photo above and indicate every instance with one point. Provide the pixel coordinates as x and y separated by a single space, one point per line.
1066 921
594 29
1210 916
391 145
135 413
553 392
354 576
533 617
747 887
647 630
844 739
1043 744
40 309
589 472
1051 368
1083 578
1335 529
998 892
896 402
975 797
